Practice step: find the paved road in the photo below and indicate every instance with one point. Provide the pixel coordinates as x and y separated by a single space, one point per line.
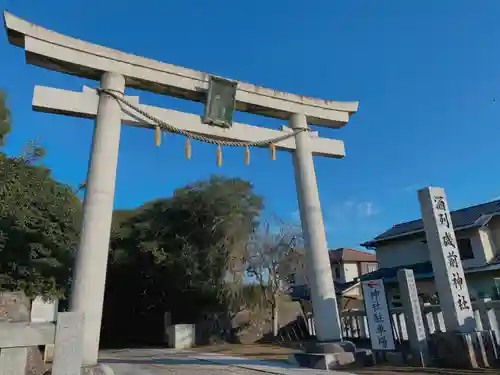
168 361
400 370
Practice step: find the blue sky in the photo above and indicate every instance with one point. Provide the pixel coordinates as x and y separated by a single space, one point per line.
426 74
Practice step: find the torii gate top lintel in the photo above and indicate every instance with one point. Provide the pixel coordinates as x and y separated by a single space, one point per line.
58 52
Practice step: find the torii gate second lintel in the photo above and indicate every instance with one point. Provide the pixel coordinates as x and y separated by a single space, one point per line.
84 104
115 70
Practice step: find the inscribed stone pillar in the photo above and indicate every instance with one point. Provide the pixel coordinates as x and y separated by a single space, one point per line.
415 327
68 344
446 263
324 302
91 259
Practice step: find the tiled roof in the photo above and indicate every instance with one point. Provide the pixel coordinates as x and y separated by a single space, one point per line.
421 270
464 218
350 255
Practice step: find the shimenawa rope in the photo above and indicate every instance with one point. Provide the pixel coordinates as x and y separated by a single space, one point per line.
164 126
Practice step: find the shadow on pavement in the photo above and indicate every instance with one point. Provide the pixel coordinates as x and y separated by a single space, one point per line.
204 362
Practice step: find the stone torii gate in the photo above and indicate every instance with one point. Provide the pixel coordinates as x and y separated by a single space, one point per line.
116 70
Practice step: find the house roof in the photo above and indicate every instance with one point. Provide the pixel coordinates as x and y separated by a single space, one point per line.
350 255
465 218
421 271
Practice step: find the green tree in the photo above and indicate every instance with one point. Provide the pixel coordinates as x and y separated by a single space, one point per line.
201 229
4 118
176 253
39 223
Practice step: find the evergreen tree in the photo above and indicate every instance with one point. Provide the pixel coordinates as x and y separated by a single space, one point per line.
39 223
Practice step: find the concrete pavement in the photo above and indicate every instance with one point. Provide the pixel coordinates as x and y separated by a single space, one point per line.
178 362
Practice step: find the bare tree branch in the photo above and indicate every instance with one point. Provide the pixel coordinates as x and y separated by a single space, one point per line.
268 251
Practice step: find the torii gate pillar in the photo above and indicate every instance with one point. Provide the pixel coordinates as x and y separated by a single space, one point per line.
89 279
323 298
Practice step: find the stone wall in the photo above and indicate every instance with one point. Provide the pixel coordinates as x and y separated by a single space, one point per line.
247 327
256 325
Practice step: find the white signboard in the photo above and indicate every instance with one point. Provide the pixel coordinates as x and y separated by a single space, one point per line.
446 263
416 314
42 312
378 315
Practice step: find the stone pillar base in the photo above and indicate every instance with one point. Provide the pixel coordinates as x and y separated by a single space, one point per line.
321 361
329 347
465 350
331 355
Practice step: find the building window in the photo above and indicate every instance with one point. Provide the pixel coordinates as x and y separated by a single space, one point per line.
371 267
337 272
396 300
465 248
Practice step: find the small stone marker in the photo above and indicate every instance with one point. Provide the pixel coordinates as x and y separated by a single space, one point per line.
413 316
13 361
48 353
44 311
68 354
449 275
181 336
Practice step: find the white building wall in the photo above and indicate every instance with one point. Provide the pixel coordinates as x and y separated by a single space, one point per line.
350 271
402 252
414 250
298 269
489 248
494 230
